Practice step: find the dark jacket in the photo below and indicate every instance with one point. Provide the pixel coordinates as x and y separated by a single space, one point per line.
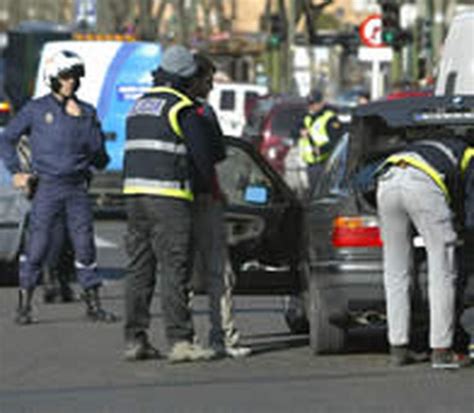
62 146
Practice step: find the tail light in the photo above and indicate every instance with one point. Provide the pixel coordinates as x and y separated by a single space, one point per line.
4 107
356 231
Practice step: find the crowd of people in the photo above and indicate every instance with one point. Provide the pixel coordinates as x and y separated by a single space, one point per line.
175 208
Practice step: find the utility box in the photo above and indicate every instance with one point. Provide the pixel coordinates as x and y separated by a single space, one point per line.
22 57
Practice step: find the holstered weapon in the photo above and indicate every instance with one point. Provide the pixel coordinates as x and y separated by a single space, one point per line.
31 186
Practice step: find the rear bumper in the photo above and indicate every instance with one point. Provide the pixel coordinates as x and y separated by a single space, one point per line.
359 285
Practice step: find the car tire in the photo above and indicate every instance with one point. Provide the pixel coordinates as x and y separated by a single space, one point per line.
295 314
324 336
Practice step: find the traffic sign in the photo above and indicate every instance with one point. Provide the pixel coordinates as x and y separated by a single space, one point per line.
370 31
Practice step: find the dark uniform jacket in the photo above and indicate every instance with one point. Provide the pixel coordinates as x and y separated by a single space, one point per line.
62 146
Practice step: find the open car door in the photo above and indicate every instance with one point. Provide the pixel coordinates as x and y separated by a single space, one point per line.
263 218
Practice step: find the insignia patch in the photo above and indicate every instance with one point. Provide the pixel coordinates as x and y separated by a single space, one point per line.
48 117
336 125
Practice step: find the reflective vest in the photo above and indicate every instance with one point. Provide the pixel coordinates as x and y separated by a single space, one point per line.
443 160
314 147
156 154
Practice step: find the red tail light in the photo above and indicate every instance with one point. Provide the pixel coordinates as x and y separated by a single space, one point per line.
360 231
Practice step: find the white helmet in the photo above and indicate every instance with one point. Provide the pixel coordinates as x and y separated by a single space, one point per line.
61 63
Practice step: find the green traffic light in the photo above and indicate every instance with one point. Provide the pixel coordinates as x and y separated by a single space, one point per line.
388 37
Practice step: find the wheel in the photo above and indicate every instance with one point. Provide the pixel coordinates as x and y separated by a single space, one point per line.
324 336
295 314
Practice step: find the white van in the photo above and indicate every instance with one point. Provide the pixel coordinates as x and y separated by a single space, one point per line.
229 100
456 68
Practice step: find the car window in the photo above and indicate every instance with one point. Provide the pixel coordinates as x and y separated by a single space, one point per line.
335 170
242 180
286 120
227 100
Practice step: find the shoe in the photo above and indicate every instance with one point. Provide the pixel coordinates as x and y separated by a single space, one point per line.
183 351
447 359
403 356
24 311
94 310
140 348
235 351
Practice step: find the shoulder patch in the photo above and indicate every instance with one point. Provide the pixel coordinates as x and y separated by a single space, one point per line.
336 125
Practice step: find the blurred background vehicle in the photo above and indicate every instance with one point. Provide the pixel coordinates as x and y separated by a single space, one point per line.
229 101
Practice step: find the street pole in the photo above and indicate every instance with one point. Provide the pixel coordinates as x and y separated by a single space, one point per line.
438 29
290 42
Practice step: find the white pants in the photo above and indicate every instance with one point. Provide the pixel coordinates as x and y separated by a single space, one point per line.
212 262
405 196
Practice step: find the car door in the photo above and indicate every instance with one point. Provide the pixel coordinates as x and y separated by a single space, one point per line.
263 218
13 211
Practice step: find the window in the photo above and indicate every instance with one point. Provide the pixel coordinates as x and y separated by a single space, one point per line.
240 175
335 170
227 100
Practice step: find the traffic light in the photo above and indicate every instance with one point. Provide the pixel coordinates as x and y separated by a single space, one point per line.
390 22
277 28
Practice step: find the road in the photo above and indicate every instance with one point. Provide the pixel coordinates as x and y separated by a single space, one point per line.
66 364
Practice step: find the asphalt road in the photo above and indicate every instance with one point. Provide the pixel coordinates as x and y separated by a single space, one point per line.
66 364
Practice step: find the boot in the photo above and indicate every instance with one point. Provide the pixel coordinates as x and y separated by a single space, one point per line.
24 311
94 310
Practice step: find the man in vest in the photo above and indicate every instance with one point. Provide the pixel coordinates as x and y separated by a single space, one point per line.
319 132
423 186
167 155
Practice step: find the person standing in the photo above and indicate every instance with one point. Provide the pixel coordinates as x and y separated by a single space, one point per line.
319 133
167 155
212 260
422 185
66 142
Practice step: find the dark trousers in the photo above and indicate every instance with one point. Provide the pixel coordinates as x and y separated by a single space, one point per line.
158 234
57 202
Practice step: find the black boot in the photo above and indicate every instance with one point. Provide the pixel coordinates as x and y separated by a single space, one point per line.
94 310
24 311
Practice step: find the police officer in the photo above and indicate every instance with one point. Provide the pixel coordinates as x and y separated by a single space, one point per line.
167 155
66 142
212 260
319 132
422 185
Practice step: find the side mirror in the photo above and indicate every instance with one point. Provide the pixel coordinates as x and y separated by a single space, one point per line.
256 194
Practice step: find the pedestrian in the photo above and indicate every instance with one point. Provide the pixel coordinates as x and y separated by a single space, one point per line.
319 132
66 142
422 186
210 241
167 155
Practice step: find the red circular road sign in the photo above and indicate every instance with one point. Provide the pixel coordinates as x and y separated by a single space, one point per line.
370 31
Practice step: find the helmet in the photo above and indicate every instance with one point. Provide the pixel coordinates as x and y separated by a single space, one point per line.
315 96
62 63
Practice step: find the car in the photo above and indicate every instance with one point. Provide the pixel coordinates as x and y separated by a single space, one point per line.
229 101
272 126
327 249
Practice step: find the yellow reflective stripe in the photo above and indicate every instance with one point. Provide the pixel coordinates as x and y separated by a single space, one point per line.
169 192
466 158
425 167
173 113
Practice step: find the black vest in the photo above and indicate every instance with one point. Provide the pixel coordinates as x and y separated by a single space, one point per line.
156 161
